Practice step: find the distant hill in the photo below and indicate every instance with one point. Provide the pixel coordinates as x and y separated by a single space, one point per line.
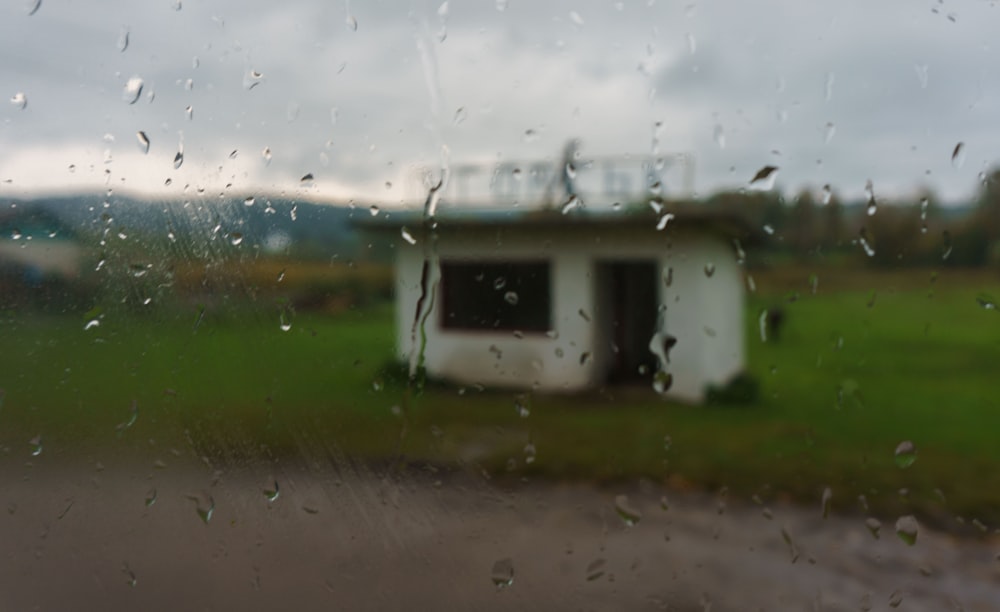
302 229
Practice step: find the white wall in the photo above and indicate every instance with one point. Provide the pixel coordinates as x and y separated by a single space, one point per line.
704 313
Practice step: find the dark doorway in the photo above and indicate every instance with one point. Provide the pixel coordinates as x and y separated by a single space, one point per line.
632 306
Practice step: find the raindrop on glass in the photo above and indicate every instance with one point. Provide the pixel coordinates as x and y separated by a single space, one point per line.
827 194
19 100
986 302
906 454
946 245
284 321
764 179
266 154
575 18
719 135
15 234
873 525
709 269
461 115
32 6
662 381
830 78
573 203
178 159
272 494
352 23
865 242
762 325
132 90
511 298
825 502
595 569
373 210
150 498
921 70
872 207
629 514
91 324
189 112
958 156
502 5
407 236
307 179
235 238
143 141
829 132
907 528
664 220
502 574
123 39
36 445
248 201
251 79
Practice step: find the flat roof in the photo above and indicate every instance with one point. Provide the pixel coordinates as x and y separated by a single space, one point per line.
683 215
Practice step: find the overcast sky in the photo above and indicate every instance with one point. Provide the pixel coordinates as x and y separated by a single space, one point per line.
830 92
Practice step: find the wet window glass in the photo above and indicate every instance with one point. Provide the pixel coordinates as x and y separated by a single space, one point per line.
510 304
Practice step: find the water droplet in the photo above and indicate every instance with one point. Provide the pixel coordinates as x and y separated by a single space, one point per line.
830 132
272 494
692 43
502 574
511 298
827 194
248 201
251 79
405 233
285 320
628 513
662 381
281 275
499 283
143 140
15 234
36 445
132 90
150 498
307 179
873 525
895 599
19 100
266 154
986 301
907 528
573 203
865 242
91 324
764 179
373 210
768 229
352 23
870 195
502 5
664 220
575 18
830 78
460 115
762 325
719 135
178 5
906 454
130 575
793 551
138 270
709 269
958 156
531 135
178 159
32 6
204 512
123 39
946 245
825 502
921 70
235 238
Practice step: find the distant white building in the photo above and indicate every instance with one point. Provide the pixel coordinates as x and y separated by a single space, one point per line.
571 302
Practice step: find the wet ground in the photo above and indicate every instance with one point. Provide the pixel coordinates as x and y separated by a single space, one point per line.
179 534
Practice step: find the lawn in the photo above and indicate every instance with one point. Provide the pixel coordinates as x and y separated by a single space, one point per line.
853 375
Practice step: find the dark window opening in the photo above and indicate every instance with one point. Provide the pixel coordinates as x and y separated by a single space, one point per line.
496 295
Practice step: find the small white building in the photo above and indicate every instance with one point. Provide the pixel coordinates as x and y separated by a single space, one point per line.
571 302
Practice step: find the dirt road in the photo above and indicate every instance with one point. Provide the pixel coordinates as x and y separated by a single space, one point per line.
177 534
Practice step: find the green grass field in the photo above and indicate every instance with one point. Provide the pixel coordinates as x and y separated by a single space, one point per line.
850 378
